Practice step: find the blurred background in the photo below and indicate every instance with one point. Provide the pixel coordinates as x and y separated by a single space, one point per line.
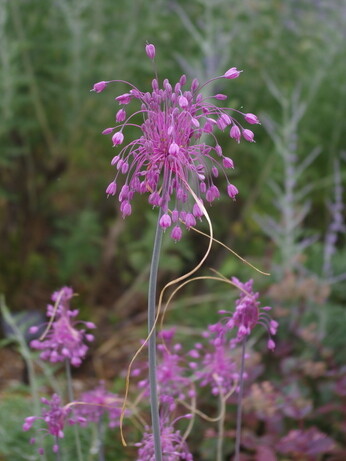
57 226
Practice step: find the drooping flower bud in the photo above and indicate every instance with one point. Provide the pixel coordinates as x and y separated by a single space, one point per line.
235 133
111 190
176 233
120 115
233 72
165 221
124 98
183 102
173 148
100 86
227 162
248 135
220 97
108 130
117 138
150 50
232 191
251 118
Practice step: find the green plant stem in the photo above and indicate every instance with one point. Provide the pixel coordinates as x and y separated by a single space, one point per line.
240 401
100 436
58 453
221 427
154 405
71 399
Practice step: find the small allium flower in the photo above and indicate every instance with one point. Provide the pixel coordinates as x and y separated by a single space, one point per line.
93 404
214 367
174 447
173 382
55 417
169 158
63 340
247 315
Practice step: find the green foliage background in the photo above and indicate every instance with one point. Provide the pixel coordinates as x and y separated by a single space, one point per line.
56 224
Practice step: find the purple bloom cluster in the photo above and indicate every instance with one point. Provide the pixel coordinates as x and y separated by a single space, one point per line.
173 383
63 340
97 402
174 447
247 315
169 159
214 367
55 417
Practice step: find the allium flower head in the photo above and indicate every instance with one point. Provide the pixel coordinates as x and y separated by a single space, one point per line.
170 157
55 416
215 366
63 340
174 447
171 371
247 315
93 404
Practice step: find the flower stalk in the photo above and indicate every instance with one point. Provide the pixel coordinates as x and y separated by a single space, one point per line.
240 400
154 405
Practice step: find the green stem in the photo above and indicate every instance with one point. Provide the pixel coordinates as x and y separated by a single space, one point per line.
221 427
240 399
58 453
154 405
71 399
100 436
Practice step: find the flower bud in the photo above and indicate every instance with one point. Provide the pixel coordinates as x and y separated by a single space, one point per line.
111 190
183 102
117 138
165 221
176 233
235 133
107 130
120 115
232 191
173 148
150 50
100 86
233 72
251 118
248 135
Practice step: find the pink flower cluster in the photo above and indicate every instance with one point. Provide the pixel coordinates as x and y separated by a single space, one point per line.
173 382
55 416
93 404
170 158
247 315
174 447
63 340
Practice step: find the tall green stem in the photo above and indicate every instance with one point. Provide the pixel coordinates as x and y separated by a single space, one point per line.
57 453
154 405
221 426
71 399
240 400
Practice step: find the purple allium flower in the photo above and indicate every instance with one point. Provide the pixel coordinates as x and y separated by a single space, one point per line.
169 158
216 366
247 315
174 447
171 372
93 404
55 417
63 341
